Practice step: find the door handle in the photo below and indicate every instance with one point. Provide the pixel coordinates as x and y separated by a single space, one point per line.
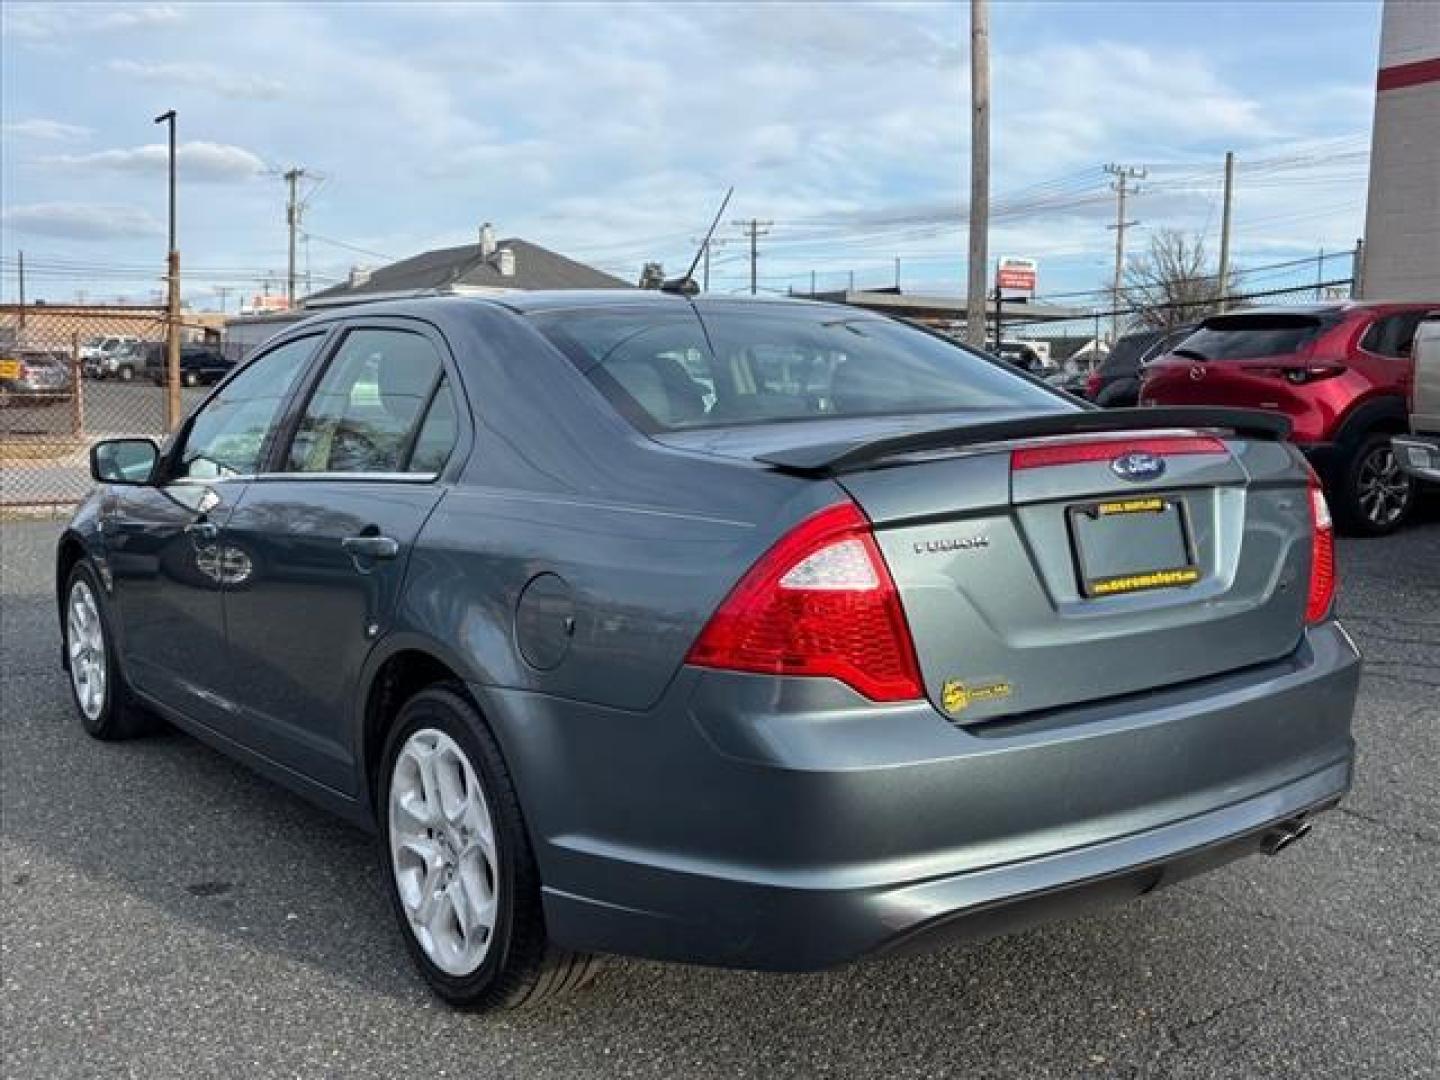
203 530
371 547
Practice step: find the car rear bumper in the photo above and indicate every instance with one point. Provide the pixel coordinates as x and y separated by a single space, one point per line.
1419 455
751 822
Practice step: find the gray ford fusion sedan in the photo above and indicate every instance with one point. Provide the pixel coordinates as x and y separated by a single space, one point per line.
758 634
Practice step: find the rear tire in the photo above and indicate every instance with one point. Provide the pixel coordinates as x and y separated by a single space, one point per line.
107 707
429 850
1371 494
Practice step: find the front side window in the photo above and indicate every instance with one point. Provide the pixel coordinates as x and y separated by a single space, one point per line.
363 414
691 367
228 437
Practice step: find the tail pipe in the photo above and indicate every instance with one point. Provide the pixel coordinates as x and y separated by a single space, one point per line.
1283 835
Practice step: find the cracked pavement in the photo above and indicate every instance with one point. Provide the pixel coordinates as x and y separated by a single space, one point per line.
167 914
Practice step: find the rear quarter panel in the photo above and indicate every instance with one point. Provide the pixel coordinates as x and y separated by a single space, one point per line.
626 546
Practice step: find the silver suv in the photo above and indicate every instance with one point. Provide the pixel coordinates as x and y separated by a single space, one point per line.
1419 452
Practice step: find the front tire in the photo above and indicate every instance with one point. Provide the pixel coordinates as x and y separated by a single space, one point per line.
461 873
1372 493
108 710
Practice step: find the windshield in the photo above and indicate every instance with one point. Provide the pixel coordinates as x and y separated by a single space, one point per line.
683 368
1251 337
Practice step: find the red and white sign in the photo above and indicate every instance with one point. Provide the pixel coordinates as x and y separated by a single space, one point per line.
1015 274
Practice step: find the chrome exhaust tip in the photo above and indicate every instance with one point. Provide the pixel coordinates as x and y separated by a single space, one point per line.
1283 835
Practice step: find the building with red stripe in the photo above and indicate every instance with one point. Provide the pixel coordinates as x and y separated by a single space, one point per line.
1402 219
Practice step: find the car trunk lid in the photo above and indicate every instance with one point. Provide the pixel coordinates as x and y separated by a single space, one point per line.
1097 558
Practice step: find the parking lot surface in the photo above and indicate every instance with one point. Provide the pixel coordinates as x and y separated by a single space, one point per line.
167 914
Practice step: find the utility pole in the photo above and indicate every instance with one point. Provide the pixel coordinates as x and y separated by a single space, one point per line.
979 172
21 319
1319 274
1224 283
292 219
754 229
172 307
1123 175
706 245
223 292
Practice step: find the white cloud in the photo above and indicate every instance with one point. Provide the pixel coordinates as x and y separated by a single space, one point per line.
80 221
215 162
201 76
47 130
142 17
43 22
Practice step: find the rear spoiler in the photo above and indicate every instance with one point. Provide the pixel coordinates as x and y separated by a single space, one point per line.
830 459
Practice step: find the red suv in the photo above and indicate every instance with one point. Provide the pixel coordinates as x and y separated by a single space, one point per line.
1341 372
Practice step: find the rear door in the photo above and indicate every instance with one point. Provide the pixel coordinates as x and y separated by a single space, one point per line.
1042 575
331 526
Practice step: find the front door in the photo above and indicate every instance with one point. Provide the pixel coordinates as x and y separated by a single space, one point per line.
331 528
167 561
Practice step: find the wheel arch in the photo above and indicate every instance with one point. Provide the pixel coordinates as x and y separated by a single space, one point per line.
69 551
1384 413
393 674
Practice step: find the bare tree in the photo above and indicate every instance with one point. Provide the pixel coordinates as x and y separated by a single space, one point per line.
1171 282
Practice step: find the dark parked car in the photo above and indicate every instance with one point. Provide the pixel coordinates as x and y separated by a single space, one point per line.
757 634
199 364
1115 384
1341 372
34 377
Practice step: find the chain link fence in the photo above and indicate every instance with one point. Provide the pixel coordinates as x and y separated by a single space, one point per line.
70 376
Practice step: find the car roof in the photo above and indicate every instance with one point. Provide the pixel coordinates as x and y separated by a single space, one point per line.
572 299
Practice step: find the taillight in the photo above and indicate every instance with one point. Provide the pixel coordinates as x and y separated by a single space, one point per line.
1322 556
821 602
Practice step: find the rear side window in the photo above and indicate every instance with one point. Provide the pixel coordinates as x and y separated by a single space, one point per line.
436 437
1392 336
368 404
1252 337
692 368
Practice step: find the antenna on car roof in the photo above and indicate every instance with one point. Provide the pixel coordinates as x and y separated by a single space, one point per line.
685 285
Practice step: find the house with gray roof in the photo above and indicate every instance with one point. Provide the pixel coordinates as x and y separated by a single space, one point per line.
489 266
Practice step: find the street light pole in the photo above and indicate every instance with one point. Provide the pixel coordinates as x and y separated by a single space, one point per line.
172 320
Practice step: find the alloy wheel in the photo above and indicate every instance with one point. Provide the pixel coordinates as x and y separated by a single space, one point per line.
443 851
85 640
1382 486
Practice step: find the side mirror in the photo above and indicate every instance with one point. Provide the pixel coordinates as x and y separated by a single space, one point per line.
124 461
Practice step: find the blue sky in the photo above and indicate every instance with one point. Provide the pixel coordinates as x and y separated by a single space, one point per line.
609 132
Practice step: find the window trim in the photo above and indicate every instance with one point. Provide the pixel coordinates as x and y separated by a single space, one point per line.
279 452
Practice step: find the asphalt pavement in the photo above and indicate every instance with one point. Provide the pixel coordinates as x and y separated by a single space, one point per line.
167 914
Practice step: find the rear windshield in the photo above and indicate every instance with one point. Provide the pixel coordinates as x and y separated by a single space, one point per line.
688 368
1125 356
1251 337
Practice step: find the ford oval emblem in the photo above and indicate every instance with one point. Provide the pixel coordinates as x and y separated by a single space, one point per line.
1138 466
